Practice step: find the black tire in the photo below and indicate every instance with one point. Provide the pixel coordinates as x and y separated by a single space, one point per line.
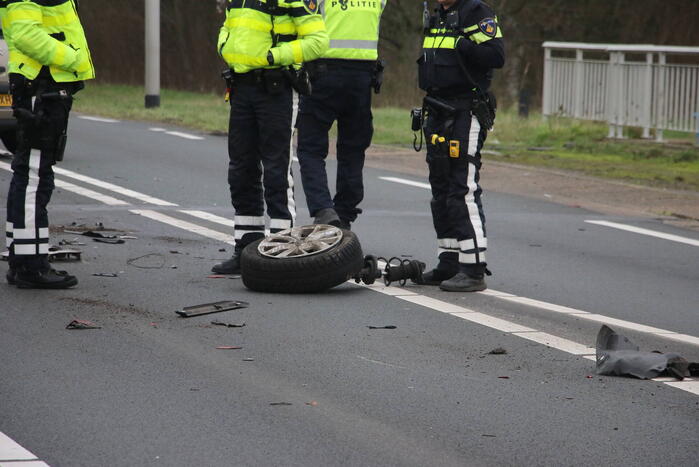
306 274
9 139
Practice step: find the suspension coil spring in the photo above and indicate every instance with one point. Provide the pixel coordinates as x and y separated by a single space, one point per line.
400 270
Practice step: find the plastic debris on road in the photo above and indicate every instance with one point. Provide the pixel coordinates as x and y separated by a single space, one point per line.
618 356
215 307
382 327
82 324
228 325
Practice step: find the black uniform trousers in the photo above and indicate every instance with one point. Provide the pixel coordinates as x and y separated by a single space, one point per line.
454 164
341 93
32 184
259 171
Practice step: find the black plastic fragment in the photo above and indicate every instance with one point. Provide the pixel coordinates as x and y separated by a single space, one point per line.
215 307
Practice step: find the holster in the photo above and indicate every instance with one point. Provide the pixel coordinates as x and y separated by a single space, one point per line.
377 76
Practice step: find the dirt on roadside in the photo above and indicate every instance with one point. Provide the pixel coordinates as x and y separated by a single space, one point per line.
679 208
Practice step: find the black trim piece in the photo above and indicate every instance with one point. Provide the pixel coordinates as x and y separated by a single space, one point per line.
59 36
286 37
257 5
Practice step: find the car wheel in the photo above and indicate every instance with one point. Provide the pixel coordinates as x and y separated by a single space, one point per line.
9 139
303 259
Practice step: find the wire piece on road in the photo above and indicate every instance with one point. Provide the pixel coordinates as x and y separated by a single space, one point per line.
137 262
280 403
382 327
228 325
82 324
105 274
207 308
110 241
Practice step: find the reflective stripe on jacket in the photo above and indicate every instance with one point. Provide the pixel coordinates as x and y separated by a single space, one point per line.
46 33
293 33
353 27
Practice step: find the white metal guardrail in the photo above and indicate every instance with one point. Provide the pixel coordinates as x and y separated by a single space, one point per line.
608 82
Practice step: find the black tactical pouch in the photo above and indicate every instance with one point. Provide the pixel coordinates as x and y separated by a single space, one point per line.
299 79
274 81
483 108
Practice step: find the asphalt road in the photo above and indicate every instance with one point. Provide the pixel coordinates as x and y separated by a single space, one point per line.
312 385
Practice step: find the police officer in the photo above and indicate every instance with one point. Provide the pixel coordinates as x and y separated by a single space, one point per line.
259 40
49 60
462 45
342 82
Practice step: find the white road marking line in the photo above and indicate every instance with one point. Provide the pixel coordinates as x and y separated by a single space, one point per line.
11 451
98 119
158 129
682 338
112 187
549 340
108 200
203 231
381 288
183 135
406 182
24 464
689 386
624 324
540 304
492 322
652 233
210 217
444 307
557 342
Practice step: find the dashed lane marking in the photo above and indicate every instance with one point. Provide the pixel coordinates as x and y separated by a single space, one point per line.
406 182
179 134
12 454
209 217
197 229
98 119
652 233
112 187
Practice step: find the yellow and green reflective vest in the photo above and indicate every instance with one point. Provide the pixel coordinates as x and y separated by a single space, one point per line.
292 30
46 33
353 27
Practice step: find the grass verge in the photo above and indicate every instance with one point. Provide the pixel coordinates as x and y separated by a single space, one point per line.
553 143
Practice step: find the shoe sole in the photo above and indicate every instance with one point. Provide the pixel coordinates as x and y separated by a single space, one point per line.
56 286
478 288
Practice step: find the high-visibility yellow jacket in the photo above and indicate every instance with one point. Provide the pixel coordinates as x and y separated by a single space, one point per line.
292 30
46 33
353 27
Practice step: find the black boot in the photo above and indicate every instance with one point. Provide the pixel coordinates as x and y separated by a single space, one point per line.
230 266
44 279
11 276
446 269
327 216
462 282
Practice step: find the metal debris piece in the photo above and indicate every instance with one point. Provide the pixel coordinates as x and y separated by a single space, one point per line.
106 274
497 351
618 356
74 242
382 327
82 324
135 262
111 241
64 254
228 347
280 403
92 233
248 359
228 325
215 307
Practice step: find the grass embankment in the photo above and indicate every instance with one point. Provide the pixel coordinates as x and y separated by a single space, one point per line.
554 143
